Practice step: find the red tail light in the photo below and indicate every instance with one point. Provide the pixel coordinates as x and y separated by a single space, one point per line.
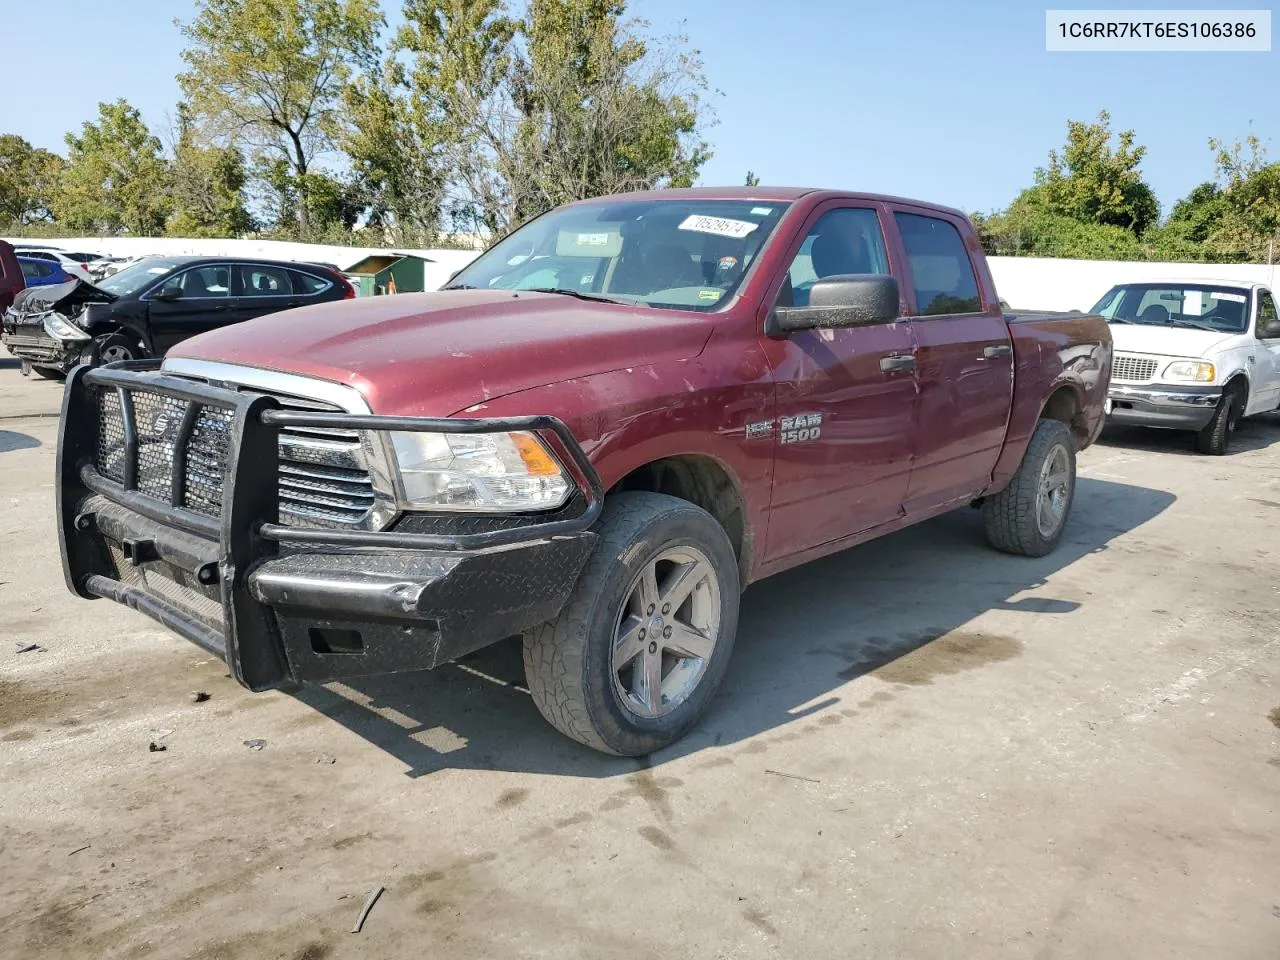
348 291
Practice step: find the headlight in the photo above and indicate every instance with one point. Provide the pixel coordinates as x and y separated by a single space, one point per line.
1196 371
62 330
477 471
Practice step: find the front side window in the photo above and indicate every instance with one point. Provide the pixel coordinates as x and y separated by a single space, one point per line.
201 282
679 254
1266 314
1196 306
941 271
842 241
262 281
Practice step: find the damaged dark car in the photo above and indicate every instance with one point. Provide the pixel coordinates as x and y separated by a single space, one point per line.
149 307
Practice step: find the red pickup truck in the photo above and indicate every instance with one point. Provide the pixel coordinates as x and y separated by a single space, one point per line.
596 436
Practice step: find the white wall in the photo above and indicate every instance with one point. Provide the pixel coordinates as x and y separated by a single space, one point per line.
1025 283
1046 283
443 262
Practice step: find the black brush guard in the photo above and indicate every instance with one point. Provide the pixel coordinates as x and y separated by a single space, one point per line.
283 603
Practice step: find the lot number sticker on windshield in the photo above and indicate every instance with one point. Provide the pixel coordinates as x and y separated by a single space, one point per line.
1233 297
720 226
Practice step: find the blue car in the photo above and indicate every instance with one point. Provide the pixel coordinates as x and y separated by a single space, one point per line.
43 273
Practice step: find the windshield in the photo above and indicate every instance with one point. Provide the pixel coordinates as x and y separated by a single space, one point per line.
684 254
134 278
1196 305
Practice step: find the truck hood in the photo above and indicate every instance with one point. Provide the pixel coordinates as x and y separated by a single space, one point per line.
432 354
66 297
1165 341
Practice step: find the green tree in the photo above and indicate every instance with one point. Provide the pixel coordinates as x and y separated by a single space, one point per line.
28 181
269 74
1249 226
1089 181
566 101
115 178
396 163
752 180
207 188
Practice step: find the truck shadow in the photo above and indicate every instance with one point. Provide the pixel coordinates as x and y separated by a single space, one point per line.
1256 433
894 607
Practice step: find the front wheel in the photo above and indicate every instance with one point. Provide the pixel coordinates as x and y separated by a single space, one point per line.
112 347
1215 437
1028 516
635 657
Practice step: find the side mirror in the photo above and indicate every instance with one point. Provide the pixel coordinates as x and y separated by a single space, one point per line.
848 300
1268 329
167 294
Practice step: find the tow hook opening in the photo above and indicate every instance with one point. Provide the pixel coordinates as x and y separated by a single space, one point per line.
332 640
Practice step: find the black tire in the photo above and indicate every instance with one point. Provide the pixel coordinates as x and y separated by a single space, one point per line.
1215 437
1012 517
568 662
111 347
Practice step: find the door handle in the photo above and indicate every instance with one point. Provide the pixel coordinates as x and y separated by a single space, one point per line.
897 361
996 350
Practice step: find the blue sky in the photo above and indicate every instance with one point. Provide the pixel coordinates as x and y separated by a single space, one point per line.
947 101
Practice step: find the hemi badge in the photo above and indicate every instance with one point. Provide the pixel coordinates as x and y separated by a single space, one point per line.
762 428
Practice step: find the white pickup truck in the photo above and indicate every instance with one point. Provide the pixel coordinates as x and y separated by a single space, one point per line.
1192 355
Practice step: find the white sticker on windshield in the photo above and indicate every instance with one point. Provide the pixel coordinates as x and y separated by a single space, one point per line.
761 211
1233 297
158 269
593 239
720 226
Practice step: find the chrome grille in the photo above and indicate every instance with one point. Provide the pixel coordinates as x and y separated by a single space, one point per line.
1133 369
324 476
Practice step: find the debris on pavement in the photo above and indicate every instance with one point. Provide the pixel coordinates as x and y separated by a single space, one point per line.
255 744
368 905
792 776
79 849
29 647
157 747
325 758
199 696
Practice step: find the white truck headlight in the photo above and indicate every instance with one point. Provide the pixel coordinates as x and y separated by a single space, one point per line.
1194 371
60 329
477 472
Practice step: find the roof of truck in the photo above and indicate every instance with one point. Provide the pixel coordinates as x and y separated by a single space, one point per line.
776 194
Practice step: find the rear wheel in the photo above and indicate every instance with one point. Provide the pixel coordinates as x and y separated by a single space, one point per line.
1029 515
635 657
1215 437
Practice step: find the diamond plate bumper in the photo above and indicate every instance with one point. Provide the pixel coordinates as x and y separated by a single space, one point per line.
288 604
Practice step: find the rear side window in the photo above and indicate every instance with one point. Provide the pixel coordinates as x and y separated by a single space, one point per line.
262 281
305 283
941 271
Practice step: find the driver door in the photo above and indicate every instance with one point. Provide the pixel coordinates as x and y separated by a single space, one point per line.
203 302
1266 385
845 398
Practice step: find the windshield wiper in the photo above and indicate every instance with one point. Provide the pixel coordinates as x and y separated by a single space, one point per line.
1194 326
1118 320
582 295
458 286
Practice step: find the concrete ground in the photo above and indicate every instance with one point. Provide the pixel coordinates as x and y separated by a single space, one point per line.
923 749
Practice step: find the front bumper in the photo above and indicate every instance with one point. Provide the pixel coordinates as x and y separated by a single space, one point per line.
31 342
1181 408
289 604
